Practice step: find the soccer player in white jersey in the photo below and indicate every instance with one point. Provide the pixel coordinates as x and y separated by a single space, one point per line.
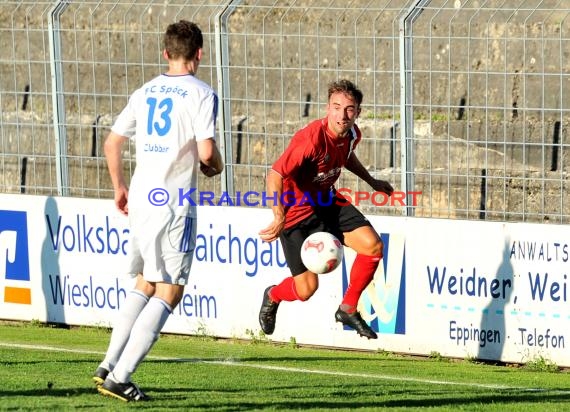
172 121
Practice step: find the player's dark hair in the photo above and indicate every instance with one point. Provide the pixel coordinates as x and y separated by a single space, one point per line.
183 39
346 87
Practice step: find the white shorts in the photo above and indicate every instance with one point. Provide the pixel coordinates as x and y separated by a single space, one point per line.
162 246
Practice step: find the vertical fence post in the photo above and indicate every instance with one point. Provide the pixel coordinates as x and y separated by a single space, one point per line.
406 101
57 97
225 119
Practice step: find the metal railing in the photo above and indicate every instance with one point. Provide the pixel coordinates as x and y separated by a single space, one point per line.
464 101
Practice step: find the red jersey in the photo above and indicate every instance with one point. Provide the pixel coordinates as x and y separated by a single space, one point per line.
310 166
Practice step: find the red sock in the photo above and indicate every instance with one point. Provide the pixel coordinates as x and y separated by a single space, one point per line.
284 291
361 275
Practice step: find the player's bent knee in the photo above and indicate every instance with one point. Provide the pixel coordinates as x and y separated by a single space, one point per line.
378 249
304 296
305 291
371 247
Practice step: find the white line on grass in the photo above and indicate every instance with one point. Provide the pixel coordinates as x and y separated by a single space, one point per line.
233 362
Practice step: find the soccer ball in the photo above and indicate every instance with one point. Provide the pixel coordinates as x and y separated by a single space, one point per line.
321 252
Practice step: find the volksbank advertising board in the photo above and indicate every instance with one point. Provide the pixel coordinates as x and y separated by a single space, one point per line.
464 289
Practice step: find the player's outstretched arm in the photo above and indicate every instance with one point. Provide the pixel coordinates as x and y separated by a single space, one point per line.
354 165
274 186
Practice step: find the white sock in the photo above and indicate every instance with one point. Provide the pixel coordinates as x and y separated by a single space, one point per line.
143 335
133 306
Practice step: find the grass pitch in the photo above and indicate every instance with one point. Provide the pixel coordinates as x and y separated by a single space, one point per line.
47 368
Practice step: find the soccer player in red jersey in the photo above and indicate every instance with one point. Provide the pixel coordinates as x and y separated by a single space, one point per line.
304 176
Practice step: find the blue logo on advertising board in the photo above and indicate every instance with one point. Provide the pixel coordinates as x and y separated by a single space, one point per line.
14 247
383 303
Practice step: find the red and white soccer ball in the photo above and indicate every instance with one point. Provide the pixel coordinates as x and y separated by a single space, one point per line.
322 252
